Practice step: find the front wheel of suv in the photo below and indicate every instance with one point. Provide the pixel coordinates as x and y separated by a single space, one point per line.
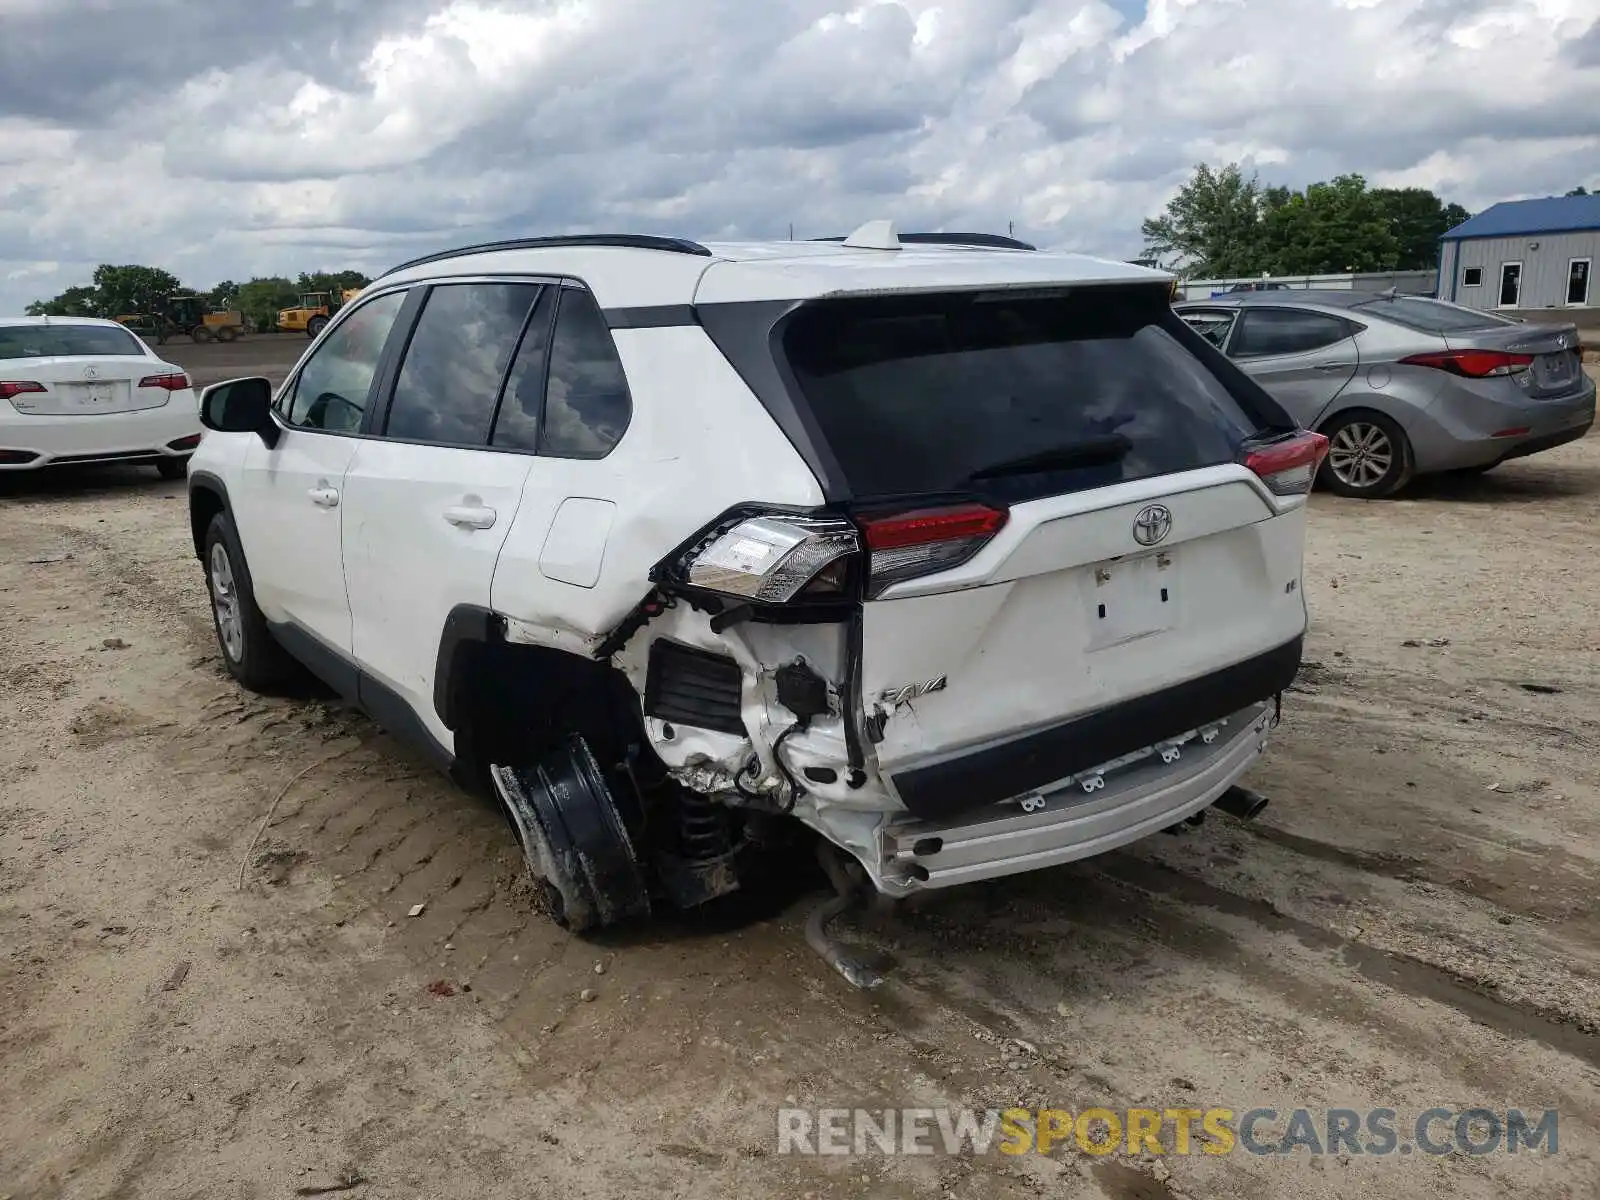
1369 456
251 654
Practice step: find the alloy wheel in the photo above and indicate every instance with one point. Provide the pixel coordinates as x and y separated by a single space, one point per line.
225 600
1360 455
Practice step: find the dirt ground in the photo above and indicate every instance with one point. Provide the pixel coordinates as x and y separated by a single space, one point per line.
1411 924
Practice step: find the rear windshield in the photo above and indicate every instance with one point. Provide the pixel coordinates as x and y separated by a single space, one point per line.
938 393
1430 316
45 341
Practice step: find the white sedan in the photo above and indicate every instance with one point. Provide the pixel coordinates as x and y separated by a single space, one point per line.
80 390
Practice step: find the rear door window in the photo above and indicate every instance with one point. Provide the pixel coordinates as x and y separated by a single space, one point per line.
960 392
1270 331
450 379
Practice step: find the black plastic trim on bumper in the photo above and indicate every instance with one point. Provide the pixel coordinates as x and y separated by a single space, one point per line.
1549 441
1001 772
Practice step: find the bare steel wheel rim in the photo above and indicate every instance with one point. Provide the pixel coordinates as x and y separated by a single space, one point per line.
225 599
1360 454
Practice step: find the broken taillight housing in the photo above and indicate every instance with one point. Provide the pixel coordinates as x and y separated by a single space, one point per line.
1289 467
774 559
906 545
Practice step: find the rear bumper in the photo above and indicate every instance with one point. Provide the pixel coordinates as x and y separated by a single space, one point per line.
1458 430
988 775
1134 803
111 437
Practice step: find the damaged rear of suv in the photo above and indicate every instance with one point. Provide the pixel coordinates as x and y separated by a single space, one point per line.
974 560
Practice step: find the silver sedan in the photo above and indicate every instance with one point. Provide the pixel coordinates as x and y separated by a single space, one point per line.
1404 385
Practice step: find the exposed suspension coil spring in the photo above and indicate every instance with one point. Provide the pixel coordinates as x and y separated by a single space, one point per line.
705 828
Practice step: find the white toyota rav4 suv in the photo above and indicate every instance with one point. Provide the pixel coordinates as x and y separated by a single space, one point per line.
972 558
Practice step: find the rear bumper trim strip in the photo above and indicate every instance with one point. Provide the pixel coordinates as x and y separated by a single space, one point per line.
1039 759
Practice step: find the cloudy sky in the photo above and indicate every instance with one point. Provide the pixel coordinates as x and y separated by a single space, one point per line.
229 138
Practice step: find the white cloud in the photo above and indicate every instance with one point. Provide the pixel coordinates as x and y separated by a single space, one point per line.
357 132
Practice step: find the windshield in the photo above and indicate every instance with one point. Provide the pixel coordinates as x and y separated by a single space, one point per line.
927 394
1430 316
47 341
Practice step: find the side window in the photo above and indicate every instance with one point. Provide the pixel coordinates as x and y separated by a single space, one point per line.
517 425
1211 325
587 408
331 391
1267 331
450 379
1472 277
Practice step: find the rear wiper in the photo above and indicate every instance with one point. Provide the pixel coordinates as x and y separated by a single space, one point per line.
1091 452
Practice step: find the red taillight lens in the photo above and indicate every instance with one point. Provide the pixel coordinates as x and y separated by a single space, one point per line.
8 390
1289 467
1472 364
172 383
908 544
185 443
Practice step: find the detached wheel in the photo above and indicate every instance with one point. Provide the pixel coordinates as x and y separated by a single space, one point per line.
173 468
1369 456
315 326
249 651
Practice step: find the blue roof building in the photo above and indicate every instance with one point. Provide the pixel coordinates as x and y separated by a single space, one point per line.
1524 254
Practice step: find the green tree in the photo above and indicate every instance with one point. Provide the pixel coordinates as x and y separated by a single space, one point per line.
333 282
1328 229
225 295
261 298
1212 228
74 302
1418 219
132 289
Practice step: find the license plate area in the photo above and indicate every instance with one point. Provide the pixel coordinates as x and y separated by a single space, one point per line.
1555 370
92 397
1131 598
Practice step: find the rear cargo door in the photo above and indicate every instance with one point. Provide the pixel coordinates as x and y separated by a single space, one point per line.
1126 551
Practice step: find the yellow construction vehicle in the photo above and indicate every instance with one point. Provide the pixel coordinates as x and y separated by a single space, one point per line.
313 311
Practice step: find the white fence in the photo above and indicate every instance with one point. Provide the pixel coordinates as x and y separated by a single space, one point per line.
1413 283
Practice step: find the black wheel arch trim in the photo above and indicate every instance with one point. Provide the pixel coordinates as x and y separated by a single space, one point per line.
206 481
466 626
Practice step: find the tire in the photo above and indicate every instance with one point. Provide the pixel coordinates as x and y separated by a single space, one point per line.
249 651
315 326
200 334
228 333
1369 456
173 468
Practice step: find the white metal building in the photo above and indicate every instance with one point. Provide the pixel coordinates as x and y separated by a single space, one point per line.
1524 254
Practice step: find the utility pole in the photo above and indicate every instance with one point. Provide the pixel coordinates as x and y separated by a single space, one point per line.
1011 229
791 231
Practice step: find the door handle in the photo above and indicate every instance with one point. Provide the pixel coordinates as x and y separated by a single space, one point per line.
324 496
1335 366
470 516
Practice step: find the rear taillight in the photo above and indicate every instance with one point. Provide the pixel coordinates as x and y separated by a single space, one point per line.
1472 364
1289 467
10 389
908 544
774 559
172 383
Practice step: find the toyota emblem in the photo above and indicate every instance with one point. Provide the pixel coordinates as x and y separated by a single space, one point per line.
1152 524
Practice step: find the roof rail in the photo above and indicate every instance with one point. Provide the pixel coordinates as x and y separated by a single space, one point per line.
993 241
629 241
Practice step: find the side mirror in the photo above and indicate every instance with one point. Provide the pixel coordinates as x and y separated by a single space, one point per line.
240 406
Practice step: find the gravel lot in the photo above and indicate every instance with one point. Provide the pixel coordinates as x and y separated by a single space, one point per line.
1411 924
